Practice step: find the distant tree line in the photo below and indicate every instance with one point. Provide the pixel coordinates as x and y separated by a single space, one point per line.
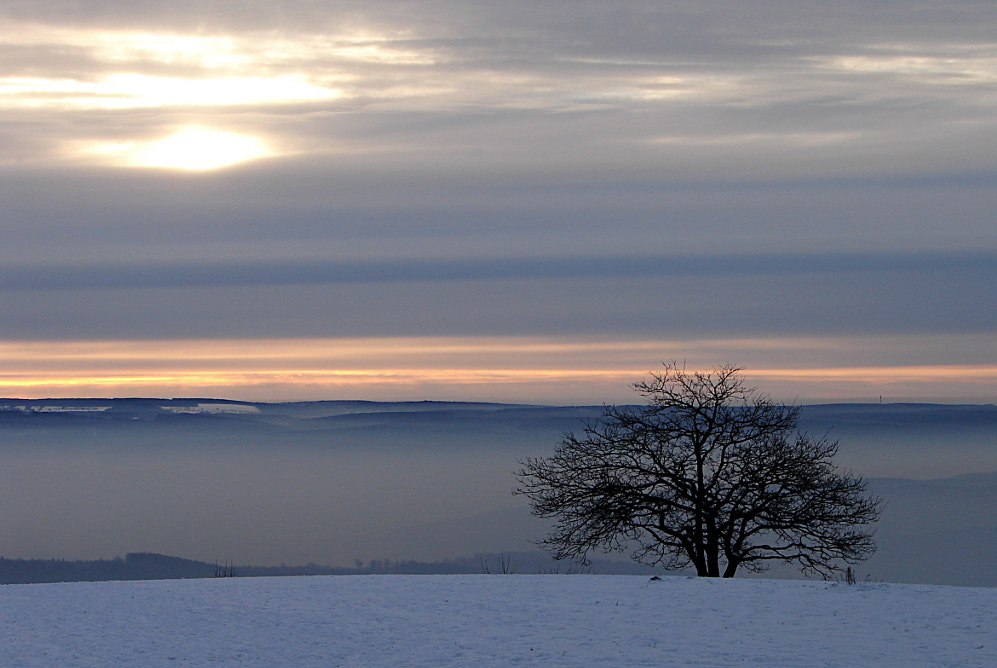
148 566
135 566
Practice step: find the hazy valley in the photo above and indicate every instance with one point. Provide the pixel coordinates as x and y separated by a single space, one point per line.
331 483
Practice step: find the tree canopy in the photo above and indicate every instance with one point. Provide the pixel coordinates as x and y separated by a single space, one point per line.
708 473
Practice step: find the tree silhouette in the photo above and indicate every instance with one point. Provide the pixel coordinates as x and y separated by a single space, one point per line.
708 473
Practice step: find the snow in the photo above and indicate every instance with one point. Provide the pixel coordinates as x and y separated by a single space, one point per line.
494 620
213 409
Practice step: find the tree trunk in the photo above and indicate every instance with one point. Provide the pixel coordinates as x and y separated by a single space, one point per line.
712 546
699 561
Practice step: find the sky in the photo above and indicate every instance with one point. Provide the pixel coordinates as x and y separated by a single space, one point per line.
522 201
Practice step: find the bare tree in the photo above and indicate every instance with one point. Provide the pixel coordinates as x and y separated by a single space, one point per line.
708 473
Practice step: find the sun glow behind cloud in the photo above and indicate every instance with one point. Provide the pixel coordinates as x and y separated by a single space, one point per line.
166 73
140 91
146 70
193 148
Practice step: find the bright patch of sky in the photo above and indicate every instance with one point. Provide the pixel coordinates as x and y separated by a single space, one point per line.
192 148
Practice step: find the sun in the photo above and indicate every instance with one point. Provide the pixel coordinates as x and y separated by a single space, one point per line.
197 149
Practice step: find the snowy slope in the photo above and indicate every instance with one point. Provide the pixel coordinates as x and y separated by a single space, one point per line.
495 620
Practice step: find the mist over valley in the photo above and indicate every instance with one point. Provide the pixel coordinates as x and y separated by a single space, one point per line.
337 482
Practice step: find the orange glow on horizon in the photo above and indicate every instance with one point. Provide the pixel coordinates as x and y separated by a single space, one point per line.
884 374
491 368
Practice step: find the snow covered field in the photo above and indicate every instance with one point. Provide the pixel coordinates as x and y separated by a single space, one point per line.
494 620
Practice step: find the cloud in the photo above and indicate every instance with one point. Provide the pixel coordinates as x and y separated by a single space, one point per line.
207 274
712 296
547 84
472 168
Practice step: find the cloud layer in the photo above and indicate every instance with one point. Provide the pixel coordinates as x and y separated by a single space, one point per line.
463 169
